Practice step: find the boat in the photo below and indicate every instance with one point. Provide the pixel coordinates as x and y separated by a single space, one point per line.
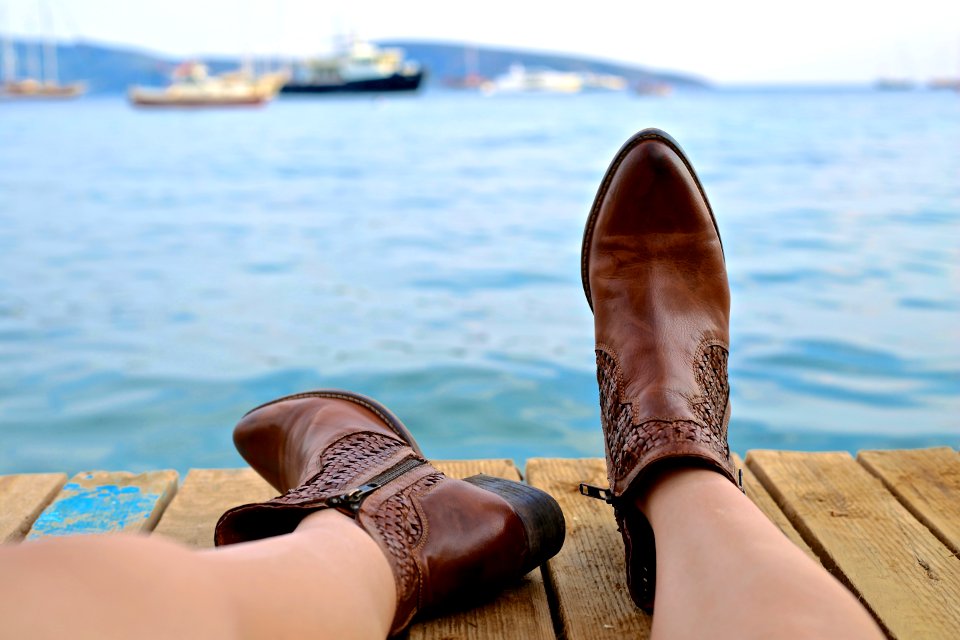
471 78
45 86
361 67
38 90
604 82
520 79
949 84
193 86
651 88
895 84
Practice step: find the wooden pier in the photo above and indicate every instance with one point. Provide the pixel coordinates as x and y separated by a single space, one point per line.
886 523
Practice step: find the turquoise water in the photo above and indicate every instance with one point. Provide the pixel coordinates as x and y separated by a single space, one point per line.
164 272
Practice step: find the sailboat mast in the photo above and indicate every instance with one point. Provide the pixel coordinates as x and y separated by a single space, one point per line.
33 55
50 46
9 53
9 60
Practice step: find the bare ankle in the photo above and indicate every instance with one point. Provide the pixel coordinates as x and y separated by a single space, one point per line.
669 483
326 518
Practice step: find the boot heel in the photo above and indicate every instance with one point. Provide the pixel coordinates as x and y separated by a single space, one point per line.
540 514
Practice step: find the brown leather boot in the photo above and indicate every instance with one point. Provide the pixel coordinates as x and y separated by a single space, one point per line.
448 541
654 274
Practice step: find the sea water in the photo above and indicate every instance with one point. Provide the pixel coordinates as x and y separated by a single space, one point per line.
162 272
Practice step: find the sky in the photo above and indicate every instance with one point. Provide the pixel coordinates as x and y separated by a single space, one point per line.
725 41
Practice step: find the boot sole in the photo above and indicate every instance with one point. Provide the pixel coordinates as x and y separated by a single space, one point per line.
629 145
540 514
392 421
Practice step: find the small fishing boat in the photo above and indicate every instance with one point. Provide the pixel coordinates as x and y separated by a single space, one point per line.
193 86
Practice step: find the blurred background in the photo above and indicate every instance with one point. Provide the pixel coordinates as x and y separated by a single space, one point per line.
204 206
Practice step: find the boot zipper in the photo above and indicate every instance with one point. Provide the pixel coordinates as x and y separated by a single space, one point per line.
607 496
353 498
596 492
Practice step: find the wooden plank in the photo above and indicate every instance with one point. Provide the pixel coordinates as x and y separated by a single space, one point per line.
907 578
107 502
205 495
755 491
587 578
22 498
501 468
522 611
927 483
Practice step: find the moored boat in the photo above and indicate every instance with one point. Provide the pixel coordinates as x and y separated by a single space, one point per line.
36 86
651 88
361 67
35 90
895 84
192 86
950 84
520 79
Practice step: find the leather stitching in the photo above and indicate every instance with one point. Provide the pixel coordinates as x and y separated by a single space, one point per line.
342 464
628 443
401 527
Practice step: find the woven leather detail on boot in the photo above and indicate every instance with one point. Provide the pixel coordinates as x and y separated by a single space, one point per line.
627 443
622 439
400 527
342 464
712 378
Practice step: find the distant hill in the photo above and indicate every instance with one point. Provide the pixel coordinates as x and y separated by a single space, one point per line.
449 61
104 69
109 69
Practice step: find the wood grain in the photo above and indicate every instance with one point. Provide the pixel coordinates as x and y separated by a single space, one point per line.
107 502
927 483
205 495
587 578
888 527
22 498
907 578
755 491
521 611
500 467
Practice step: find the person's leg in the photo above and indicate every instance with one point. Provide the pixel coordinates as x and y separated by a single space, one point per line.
390 536
327 579
725 571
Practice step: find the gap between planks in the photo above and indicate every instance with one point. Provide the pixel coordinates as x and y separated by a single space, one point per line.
587 579
906 577
907 477
927 483
22 499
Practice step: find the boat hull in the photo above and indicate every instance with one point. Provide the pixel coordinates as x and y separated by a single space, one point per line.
192 103
396 82
36 91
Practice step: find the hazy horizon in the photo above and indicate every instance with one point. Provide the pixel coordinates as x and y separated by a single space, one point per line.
747 85
742 42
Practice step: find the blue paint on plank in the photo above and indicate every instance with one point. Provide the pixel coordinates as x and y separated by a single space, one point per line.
99 509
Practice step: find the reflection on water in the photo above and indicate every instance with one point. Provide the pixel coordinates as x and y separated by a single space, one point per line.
164 272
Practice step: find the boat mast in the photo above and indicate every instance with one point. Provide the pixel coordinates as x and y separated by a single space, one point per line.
9 53
50 46
470 62
33 56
